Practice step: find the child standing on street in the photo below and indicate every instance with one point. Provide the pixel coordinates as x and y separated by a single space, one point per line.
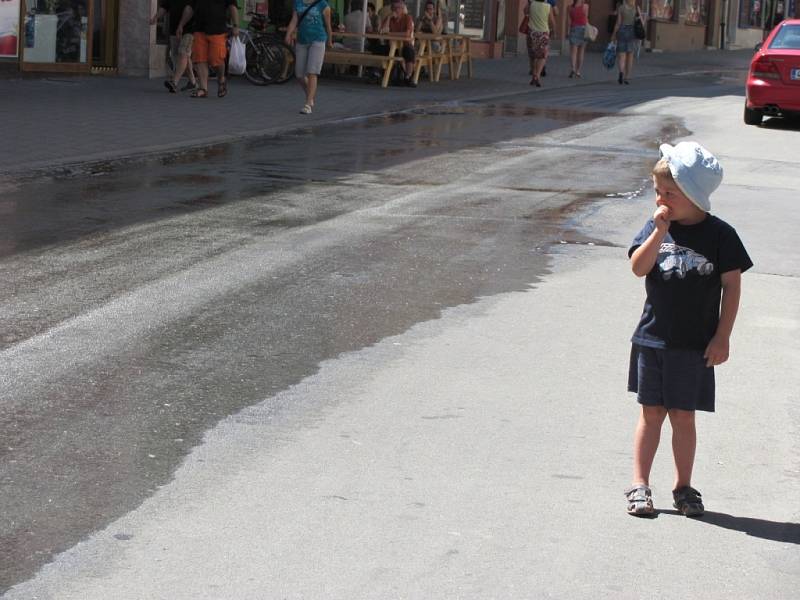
693 262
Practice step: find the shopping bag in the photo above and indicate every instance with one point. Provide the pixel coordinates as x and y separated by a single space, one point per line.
237 63
638 29
590 32
610 56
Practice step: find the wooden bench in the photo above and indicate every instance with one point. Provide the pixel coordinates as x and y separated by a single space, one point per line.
344 56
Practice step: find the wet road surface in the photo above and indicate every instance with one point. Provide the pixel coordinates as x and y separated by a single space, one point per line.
145 301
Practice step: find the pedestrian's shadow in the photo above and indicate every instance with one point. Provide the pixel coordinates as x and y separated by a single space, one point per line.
761 528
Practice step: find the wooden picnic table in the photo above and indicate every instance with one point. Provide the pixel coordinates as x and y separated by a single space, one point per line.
433 51
345 56
436 50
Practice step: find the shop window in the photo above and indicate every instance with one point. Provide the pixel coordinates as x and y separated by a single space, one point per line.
664 10
9 28
474 14
55 31
750 13
696 12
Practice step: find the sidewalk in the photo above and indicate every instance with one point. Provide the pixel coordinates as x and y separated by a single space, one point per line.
59 120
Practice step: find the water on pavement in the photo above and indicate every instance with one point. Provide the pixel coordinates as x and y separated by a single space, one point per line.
147 300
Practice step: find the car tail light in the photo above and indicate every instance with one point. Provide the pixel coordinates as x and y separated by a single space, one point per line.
765 69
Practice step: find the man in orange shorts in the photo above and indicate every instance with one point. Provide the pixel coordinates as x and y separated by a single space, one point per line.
210 39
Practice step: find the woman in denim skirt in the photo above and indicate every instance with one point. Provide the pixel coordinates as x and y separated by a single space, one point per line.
578 19
623 35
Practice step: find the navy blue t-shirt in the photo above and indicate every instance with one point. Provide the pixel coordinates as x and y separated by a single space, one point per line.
684 288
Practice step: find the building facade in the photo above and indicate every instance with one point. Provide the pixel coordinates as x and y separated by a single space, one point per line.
672 25
115 36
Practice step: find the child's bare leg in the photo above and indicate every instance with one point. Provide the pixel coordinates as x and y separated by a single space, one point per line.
645 442
684 443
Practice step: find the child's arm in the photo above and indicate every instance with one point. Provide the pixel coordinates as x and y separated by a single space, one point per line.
718 348
644 257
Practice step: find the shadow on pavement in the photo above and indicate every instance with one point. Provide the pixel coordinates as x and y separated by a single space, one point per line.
760 528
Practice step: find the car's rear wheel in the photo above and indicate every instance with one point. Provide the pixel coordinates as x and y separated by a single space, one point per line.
752 116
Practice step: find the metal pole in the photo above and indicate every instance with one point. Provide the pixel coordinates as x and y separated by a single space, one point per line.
723 25
362 41
363 28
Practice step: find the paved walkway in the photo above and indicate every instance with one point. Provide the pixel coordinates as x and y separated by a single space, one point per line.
60 120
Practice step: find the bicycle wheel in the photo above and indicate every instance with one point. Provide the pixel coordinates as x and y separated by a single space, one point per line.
276 61
253 72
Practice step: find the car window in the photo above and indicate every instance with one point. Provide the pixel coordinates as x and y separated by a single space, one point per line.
787 38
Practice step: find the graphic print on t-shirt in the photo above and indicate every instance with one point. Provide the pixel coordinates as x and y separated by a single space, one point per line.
679 260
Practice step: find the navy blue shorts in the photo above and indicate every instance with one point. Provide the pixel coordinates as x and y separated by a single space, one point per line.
671 378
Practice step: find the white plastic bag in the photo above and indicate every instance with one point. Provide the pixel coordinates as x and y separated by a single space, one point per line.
237 62
590 32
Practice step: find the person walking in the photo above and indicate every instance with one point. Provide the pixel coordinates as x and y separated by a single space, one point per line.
209 45
310 32
578 19
180 48
693 264
540 22
623 35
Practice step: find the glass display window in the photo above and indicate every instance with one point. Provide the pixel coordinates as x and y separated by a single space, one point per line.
9 28
664 10
750 13
56 31
696 12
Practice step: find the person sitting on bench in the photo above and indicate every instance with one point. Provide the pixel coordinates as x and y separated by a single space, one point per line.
399 21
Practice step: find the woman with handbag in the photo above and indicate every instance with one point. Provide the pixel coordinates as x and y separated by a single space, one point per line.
311 23
625 36
578 20
540 22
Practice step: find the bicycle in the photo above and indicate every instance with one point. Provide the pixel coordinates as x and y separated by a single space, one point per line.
269 59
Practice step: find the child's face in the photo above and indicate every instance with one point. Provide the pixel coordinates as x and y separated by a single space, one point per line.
670 195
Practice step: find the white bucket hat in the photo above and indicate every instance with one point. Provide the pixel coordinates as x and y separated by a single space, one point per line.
695 170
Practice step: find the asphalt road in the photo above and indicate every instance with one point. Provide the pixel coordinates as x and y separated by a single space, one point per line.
386 359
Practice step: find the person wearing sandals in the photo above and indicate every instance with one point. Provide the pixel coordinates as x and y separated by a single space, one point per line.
692 262
540 22
180 48
624 36
310 32
578 19
209 47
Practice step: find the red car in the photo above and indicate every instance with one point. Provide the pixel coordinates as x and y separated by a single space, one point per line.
773 84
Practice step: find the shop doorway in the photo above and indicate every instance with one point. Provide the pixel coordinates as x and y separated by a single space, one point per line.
105 19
